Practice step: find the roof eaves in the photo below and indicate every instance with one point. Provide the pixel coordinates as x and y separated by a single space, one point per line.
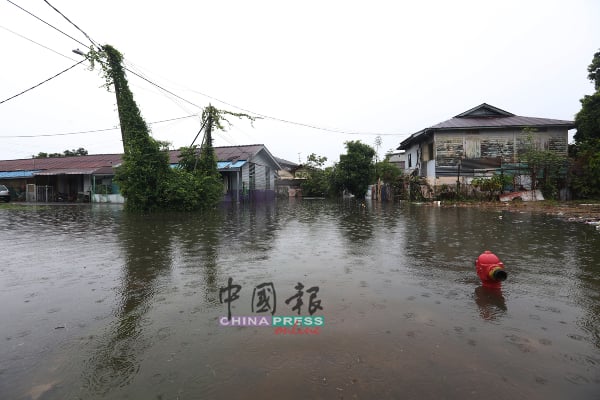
263 147
413 137
566 124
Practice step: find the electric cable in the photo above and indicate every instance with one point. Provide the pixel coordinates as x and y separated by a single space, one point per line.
39 44
259 114
203 94
91 131
50 25
71 22
41 83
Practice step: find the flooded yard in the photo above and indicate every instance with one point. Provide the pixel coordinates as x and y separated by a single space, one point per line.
97 303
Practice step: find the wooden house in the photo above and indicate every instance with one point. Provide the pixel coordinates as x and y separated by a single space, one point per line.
479 141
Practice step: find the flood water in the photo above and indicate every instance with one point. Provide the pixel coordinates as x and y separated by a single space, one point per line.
98 303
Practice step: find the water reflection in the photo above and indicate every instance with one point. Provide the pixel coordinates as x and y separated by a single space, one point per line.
491 303
146 244
260 225
406 317
583 258
200 236
357 225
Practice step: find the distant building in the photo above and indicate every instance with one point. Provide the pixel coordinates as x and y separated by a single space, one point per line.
287 183
248 174
398 159
477 141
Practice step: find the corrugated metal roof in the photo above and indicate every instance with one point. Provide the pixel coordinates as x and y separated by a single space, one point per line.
227 153
103 163
224 165
16 174
92 161
486 116
104 171
67 171
500 122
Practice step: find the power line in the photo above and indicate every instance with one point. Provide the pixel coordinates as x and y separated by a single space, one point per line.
204 94
262 115
162 88
39 44
94 130
51 26
41 83
78 28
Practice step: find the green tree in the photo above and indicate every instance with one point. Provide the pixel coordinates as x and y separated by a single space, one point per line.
317 183
73 153
492 186
546 168
356 170
586 152
586 170
594 71
387 172
67 153
588 118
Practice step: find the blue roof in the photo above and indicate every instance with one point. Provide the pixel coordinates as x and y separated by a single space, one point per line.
17 174
228 164
223 165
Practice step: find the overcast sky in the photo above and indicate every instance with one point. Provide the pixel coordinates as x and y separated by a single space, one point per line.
376 67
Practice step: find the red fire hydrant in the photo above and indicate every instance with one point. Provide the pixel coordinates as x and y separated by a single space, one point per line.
490 270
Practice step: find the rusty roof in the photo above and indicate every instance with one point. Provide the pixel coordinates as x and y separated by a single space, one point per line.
227 153
102 163
486 116
500 122
78 162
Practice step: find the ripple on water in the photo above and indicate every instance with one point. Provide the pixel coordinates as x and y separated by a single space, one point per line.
141 299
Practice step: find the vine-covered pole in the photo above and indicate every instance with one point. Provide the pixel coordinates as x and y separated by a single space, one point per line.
147 182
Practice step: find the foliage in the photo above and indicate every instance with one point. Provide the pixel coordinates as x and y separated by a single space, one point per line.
586 151
356 170
587 119
67 153
220 119
387 172
493 185
188 158
147 182
186 191
207 164
145 167
446 193
103 189
317 182
586 170
594 71
416 186
314 161
546 168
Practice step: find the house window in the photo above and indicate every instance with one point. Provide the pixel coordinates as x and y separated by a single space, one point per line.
267 178
430 151
409 160
252 176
